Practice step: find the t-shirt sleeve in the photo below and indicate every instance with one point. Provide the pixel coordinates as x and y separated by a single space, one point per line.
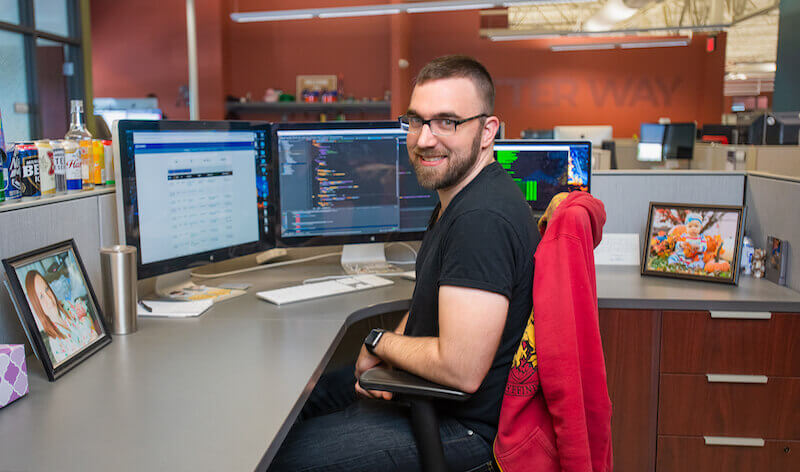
479 252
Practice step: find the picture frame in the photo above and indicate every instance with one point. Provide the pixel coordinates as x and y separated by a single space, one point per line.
693 241
57 306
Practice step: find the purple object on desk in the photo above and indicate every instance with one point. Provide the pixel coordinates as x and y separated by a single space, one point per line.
13 373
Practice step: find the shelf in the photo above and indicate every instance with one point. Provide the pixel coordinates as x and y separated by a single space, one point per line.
303 107
10 205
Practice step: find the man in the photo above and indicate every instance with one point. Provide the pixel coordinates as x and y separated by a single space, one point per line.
470 305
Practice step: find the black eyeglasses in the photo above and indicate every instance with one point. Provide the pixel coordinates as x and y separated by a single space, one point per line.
439 126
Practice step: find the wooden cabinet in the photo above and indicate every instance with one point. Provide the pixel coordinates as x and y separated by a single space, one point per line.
629 340
685 454
734 378
692 392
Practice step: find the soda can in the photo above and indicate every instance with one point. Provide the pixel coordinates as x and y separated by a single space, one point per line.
108 156
29 160
98 161
47 168
73 164
87 163
12 171
59 161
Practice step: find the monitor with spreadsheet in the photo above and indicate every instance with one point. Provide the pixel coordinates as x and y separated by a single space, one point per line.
545 168
346 182
192 192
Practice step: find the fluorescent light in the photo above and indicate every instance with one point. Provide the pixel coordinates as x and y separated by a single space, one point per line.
654 44
455 7
344 14
582 47
270 17
543 2
524 37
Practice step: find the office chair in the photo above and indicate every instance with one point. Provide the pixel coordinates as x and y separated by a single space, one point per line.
420 393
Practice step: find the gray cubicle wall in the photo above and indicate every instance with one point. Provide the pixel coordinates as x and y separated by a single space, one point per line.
88 218
627 194
773 211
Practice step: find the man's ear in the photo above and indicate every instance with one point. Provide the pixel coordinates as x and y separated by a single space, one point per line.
490 127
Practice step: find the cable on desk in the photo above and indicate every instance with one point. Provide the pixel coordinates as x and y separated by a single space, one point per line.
262 267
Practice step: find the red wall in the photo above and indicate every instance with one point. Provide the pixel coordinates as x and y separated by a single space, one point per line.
536 88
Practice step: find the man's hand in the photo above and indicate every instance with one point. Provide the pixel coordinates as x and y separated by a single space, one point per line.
365 362
551 208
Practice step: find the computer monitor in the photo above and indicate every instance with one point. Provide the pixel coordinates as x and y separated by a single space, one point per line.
679 140
595 134
192 192
542 169
775 128
666 141
115 114
347 183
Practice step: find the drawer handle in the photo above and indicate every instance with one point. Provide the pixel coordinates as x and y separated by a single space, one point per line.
728 441
741 315
739 379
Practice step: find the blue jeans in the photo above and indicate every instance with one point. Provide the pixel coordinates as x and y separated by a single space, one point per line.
338 432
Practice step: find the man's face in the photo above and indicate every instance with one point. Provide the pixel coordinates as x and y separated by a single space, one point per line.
441 162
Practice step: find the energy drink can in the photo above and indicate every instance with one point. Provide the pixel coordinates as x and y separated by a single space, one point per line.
98 161
29 160
87 163
108 156
60 163
12 171
73 164
47 168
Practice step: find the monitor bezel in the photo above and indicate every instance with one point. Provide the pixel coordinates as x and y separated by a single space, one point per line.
555 142
126 175
331 240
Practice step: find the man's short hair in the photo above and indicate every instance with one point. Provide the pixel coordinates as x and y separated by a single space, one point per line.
458 66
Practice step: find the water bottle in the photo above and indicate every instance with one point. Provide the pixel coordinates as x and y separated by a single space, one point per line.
747 256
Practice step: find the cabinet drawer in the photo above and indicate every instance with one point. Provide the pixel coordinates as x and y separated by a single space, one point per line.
694 342
690 405
682 454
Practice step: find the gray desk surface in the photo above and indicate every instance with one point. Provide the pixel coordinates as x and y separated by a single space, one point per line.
221 391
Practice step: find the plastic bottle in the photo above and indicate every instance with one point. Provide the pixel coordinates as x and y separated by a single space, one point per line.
78 133
747 256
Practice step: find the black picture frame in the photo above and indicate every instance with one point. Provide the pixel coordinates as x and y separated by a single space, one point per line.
664 256
67 326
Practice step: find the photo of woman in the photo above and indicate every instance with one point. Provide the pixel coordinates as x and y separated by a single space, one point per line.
57 306
59 302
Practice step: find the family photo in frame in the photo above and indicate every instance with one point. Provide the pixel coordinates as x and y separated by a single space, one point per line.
57 306
699 242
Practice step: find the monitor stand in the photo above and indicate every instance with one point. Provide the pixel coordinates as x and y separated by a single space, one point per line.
369 258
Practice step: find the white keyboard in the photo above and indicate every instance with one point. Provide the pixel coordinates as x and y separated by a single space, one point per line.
305 292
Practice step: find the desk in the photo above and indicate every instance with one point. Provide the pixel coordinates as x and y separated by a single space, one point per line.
221 391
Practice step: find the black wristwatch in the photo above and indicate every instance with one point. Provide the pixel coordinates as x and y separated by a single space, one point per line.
371 341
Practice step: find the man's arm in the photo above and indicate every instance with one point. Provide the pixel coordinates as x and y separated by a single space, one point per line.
367 361
471 323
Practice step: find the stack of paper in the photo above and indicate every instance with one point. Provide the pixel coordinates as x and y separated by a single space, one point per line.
185 309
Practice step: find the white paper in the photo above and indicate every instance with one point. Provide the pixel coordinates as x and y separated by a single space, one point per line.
174 309
618 249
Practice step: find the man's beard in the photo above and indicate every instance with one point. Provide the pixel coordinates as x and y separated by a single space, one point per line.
457 168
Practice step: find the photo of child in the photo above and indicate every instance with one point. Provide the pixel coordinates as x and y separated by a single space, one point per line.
59 301
698 242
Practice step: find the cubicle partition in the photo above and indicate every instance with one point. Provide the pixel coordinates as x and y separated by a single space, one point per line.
773 211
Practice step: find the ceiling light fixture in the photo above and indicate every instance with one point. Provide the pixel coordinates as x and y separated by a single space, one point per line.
582 47
654 44
390 9
345 14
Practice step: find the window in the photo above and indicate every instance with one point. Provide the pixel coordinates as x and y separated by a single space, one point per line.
41 59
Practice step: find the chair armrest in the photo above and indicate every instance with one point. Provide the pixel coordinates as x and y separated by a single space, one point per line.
398 381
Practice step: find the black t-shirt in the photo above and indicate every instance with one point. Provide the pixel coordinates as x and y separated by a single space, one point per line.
485 239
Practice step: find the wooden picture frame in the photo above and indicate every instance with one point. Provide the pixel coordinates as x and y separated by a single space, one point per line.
693 241
57 306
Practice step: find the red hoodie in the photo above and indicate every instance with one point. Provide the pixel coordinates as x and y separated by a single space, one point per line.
556 413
